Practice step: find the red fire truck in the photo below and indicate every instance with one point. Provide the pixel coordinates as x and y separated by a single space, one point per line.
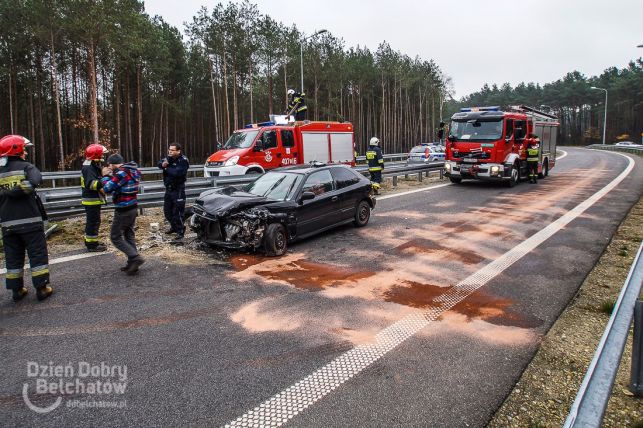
485 143
264 146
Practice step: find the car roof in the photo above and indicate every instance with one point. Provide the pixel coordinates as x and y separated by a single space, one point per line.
308 169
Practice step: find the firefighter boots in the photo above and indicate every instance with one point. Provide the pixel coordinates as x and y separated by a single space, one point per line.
19 294
43 292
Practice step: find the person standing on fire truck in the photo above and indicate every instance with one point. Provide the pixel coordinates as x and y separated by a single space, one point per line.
22 217
92 195
375 163
533 155
297 105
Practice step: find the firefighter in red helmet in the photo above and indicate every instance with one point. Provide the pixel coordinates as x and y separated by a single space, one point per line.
21 219
92 195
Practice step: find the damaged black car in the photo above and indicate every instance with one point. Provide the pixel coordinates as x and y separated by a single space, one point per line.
282 206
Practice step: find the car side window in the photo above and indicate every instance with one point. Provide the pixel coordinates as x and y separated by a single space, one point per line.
344 177
287 138
269 140
319 182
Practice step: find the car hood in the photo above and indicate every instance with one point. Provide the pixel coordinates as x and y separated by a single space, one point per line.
225 200
224 155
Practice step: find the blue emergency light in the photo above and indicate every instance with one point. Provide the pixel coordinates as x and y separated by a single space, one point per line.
259 125
474 109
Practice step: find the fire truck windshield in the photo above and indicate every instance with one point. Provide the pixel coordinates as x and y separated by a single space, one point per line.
475 130
240 140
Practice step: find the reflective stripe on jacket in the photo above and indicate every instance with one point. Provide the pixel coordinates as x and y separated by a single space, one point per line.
532 154
19 209
374 158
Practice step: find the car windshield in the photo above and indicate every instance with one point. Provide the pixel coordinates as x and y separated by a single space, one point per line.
476 130
274 185
422 149
240 140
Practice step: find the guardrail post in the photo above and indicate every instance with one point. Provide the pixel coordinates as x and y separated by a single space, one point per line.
395 181
441 174
141 190
636 378
420 174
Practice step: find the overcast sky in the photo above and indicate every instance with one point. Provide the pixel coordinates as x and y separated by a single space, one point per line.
472 41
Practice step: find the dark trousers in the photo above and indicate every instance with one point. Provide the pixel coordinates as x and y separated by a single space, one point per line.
301 115
122 233
174 208
35 243
376 176
92 225
532 167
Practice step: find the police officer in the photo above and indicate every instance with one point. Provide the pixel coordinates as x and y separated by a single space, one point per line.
92 195
375 163
175 170
533 156
22 215
297 104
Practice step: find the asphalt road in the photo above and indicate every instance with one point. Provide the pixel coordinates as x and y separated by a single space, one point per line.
401 321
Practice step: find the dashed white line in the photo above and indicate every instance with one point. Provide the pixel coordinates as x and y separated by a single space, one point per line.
293 400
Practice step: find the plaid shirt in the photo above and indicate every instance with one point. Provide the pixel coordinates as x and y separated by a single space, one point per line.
123 184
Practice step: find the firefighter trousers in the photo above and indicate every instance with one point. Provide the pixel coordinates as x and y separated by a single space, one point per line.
532 168
92 225
35 243
376 176
174 208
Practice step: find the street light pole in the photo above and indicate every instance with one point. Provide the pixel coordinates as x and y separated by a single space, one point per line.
605 115
301 55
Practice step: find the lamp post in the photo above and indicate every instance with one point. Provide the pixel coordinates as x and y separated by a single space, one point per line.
605 115
301 54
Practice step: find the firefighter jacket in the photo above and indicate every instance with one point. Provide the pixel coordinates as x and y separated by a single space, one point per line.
20 208
90 183
374 158
297 103
532 154
123 183
175 173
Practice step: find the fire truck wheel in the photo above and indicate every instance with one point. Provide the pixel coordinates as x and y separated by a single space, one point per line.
455 180
275 241
545 172
514 176
362 214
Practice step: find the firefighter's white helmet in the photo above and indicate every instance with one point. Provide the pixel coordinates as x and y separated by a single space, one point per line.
291 91
374 141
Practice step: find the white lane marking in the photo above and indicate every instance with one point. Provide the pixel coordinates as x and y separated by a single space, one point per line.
564 154
64 259
282 407
412 191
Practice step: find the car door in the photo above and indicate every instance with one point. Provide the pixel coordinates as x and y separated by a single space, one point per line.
345 181
322 211
272 153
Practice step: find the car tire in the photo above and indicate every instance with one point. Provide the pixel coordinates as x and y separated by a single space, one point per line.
514 176
545 172
275 240
455 180
362 214
253 172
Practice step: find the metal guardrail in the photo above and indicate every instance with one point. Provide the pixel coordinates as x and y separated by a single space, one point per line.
65 202
195 170
594 393
610 147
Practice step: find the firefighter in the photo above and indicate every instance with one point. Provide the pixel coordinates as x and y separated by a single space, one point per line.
122 179
175 170
93 196
375 163
533 155
297 105
22 216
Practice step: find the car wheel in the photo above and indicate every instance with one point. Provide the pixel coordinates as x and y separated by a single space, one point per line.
253 172
455 180
275 241
514 176
362 214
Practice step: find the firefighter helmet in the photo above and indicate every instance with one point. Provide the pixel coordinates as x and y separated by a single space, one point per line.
374 141
13 145
291 92
95 152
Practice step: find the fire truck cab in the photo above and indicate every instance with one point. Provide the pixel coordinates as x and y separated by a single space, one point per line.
264 146
486 143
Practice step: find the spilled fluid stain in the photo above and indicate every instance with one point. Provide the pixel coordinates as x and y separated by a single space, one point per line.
244 261
314 276
461 227
415 294
494 310
428 246
299 355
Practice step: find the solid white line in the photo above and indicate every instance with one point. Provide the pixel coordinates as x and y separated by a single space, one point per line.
282 407
64 259
564 154
395 195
